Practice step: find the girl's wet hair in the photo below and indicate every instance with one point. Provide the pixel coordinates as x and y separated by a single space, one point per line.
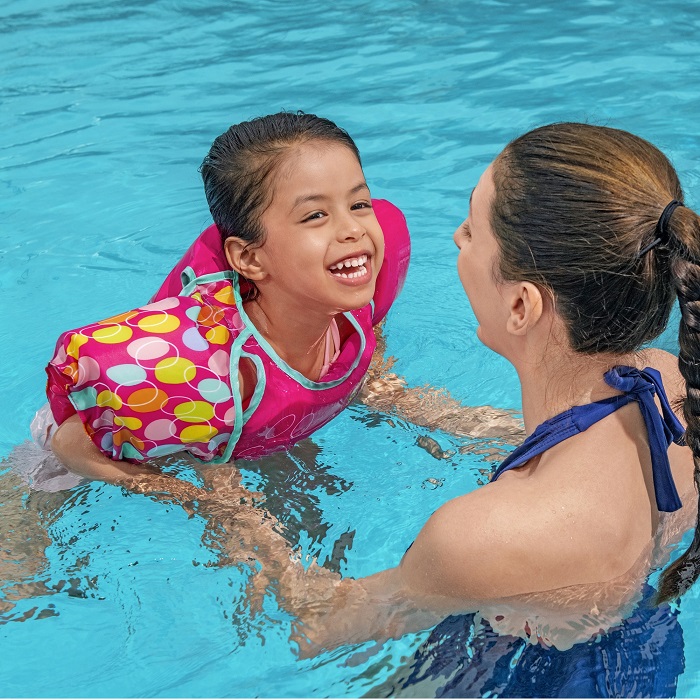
575 207
238 171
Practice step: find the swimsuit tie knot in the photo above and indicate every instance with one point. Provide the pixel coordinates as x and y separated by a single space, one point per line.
662 428
634 385
630 380
642 384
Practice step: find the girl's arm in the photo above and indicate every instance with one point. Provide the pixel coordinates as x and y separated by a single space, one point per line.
76 452
432 408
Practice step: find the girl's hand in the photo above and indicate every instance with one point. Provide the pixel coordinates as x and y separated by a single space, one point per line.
437 410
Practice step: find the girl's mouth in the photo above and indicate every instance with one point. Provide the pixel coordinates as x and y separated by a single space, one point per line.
350 268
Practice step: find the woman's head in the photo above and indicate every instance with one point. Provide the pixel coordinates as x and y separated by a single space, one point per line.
574 205
240 169
576 210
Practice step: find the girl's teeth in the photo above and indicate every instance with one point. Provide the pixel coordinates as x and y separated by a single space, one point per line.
362 270
351 262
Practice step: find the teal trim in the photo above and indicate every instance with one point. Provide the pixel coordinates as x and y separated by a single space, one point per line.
260 384
290 371
187 276
190 281
236 350
236 290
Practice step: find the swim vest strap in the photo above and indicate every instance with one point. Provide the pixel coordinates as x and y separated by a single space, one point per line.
190 280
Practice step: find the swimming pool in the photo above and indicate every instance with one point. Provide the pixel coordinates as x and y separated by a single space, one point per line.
107 110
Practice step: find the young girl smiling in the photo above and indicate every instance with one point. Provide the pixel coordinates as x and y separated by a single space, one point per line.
264 330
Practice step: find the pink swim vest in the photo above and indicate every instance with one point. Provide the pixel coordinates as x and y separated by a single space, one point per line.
163 378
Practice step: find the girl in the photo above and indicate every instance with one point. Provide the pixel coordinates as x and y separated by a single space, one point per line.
235 368
556 548
264 330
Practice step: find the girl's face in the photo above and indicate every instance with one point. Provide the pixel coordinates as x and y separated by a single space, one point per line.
323 246
476 263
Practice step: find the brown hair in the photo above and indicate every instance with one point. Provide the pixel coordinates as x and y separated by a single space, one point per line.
574 206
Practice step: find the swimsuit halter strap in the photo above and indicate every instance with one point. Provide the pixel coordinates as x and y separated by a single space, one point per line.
662 428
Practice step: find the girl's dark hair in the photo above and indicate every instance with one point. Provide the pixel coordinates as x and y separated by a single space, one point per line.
574 206
238 169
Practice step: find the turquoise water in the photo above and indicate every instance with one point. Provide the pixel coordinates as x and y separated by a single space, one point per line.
106 111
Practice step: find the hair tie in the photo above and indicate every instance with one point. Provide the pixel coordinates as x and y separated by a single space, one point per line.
661 230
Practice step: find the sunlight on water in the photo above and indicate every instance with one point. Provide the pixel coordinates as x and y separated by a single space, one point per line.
107 110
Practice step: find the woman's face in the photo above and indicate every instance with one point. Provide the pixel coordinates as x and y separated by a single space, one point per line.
477 263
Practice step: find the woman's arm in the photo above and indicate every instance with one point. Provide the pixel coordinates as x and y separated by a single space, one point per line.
439 575
434 579
328 610
331 612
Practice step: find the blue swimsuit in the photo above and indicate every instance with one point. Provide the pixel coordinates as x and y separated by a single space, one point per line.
642 657
662 428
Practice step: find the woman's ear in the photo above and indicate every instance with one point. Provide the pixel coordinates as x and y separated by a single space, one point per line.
526 307
243 258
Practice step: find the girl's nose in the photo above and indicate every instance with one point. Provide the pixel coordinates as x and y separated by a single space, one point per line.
456 238
352 229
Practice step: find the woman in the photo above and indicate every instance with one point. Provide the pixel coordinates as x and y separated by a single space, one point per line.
576 246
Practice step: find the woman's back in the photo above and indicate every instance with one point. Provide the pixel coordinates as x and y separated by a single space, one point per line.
583 512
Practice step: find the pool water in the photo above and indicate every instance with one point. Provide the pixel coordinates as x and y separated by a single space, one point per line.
107 109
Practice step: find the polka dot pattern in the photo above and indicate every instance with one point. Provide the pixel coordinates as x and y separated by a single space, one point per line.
144 349
150 381
159 323
112 334
127 375
175 370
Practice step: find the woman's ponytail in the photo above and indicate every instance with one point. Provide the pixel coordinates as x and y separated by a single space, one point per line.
684 244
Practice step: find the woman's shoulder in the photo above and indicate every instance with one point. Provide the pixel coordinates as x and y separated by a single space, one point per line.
513 537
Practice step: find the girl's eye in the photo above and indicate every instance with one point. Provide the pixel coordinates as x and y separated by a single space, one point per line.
466 230
313 216
361 205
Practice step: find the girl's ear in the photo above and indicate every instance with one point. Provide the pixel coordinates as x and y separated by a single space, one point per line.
245 260
526 307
